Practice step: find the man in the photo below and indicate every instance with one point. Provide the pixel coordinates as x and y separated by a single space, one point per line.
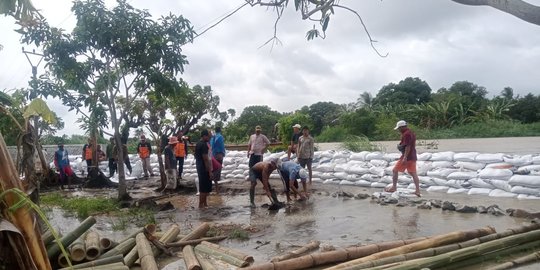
125 158
61 162
170 163
217 144
204 168
181 152
87 153
407 161
290 172
144 149
306 149
293 145
112 161
261 171
101 156
257 146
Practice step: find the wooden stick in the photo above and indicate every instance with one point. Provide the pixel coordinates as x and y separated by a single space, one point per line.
92 246
221 255
235 253
298 252
198 232
98 262
196 241
148 262
190 259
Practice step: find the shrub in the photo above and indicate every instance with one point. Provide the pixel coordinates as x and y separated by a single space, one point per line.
332 134
360 143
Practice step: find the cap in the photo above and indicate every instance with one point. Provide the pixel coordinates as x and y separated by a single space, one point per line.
303 174
205 132
297 126
258 128
274 161
400 123
173 140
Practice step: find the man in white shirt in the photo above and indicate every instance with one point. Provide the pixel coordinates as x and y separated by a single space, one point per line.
257 145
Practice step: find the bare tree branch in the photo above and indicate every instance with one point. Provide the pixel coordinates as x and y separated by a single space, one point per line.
521 9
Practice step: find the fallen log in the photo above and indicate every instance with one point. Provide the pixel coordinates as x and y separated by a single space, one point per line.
298 252
196 241
54 249
167 237
218 254
439 240
77 252
148 262
205 264
112 266
122 248
190 259
199 232
98 262
229 251
92 245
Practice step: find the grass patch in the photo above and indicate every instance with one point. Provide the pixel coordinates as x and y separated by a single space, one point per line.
239 234
360 143
83 207
488 129
132 217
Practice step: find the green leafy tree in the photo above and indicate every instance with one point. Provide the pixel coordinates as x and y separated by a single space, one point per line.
258 115
324 114
359 122
408 91
286 122
526 109
111 53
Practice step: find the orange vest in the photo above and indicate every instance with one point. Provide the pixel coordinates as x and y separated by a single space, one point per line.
144 152
88 153
180 150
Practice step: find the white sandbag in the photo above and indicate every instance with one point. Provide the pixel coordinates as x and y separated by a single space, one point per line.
229 176
238 171
442 156
328 181
439 181
389 170
346 182
374 155
479 191
362 183
499 165
391 156
228 161
137 170
489 158
502 194
466 156
427 180
370 177
405 179
378 162
536 159
352 177
424 156
377 171
480 183
490 173
341 167
327 167
456 183
247 172
239 176
528 197
386 179
340 161
442 164
462 175
441 172
327 154
359 156
317 180
326 176
243 167
517 160
357 170
422 167
528 168
340 175
342 154
378 185
457 190
525 190
469 165
316 174
532 181
442 189
499 184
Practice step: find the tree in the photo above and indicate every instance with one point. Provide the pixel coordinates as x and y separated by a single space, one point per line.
285 125
408 91
526 109
323 114
258 115
110 54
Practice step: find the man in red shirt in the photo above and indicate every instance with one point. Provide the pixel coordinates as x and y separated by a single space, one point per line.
407 161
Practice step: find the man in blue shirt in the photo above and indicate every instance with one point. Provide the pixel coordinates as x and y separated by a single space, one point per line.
61 162
217 143
291 171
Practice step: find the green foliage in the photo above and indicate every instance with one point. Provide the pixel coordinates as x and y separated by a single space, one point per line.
323 114
359 122
490 128
526 109
286 123
360 143
83 207
333 134
132 217
278 148
408 91
239 234
257 115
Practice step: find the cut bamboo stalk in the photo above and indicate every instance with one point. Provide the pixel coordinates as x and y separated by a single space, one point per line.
48 237
335 256
160 234
196 241
21 217
199 232
190 259
205 264
105 243
98 262
469 252
148 262
167 237
235 253
297 252
54 249
220 255
121 249
92 245
112 266
439 240
77 252
62 260
131 257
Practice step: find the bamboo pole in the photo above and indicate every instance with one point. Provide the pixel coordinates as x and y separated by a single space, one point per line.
160 234
105 243
148 262
235 253
199 232
218 254
77 251
112 266
190 259
469 252
122 248
205 264
48 236
298 252
62 260
438 240
167 237
98 262
21 217
54 249
196 241
92 246
335 256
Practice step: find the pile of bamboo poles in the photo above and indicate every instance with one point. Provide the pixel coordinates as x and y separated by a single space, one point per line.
448 251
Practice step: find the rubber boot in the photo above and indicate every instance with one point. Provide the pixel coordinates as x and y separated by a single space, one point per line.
274 197
252 198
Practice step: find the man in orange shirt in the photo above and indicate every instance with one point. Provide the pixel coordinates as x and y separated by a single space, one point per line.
144 149
87 154
180 151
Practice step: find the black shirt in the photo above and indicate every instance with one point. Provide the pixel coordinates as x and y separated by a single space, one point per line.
295 137
201 149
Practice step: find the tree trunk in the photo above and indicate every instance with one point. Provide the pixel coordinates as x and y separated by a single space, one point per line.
162 176
521 9
28 163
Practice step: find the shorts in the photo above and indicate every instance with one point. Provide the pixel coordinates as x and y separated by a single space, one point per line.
205 185
253 175
305 161
254 159
286 180
410 166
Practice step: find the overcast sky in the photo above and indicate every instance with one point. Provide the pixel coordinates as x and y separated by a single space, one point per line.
439 41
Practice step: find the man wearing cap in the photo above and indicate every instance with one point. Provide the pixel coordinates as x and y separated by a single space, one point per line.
144 149
407 161
204 168
170 163
293 145
61 162
290 172
306 150
257 146
261 171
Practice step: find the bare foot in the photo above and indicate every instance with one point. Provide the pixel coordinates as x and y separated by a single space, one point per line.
417 193
390 189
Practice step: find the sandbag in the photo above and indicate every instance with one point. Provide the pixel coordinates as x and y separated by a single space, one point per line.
378 185
499 165
527 197
502 194
499 184
340 175
374 155
490 173
341 167
442 164
391 156
424 156
326 176
469 165
377 171
441 172
352 177
457 190
341 154
346 182
461 175
517 160
359 156
536 159
489 158
479 191
426 180
329 181
456 183
317 180
479 183
441 189
466 156
422 167
378 162
404 179
440 181
532 181
362 183
528 168
243 167
327 167
357 170
525 190
442 156
370 177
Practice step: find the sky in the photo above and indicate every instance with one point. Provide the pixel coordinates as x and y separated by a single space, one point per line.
440 42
